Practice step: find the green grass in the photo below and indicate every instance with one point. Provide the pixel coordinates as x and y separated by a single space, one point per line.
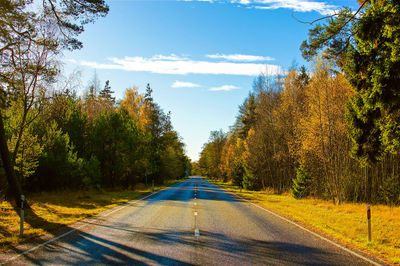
53 210
346 223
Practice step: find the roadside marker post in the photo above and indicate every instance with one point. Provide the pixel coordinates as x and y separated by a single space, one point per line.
21 225
369 223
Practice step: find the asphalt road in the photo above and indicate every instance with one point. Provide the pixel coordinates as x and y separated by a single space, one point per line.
194 223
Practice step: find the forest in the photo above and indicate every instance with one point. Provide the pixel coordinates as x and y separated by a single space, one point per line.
330 131
53 139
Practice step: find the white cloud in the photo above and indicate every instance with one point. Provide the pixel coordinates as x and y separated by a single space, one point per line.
181 66
172 57
296 5
73 61
240 57
224 88
183 84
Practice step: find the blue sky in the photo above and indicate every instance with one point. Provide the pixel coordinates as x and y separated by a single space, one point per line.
200 57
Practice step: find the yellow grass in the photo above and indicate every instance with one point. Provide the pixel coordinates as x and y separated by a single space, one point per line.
56 209
347 223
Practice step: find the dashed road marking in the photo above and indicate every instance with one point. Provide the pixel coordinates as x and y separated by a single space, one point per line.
195 213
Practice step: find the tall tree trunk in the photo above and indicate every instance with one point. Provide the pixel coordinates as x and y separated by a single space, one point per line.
8 166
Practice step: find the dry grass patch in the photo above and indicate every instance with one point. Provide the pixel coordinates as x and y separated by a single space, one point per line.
56 209
346 222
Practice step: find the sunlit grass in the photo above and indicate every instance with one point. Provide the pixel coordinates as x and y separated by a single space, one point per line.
56 209
347 223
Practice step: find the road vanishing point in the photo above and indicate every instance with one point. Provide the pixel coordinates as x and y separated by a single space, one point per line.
190 223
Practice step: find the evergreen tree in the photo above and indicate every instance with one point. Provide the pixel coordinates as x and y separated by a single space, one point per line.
58 165
247 115
301 183
106 95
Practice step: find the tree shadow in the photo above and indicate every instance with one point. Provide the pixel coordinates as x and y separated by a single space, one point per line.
186 193
88 248
83 248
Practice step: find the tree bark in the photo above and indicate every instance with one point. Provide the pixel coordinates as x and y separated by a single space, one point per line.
8 166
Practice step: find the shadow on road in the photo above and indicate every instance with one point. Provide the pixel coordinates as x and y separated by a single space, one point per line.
88 248
186 192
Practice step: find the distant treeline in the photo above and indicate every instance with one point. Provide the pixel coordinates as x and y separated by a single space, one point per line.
71 142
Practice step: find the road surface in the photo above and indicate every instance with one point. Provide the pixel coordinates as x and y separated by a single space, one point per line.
192 223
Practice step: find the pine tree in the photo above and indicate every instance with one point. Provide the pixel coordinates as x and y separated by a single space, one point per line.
301 183
106 94
247 115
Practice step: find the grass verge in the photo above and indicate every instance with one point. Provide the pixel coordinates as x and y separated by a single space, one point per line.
56 209
346 223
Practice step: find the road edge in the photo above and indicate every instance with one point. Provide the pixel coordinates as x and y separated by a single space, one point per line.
355 252
101 214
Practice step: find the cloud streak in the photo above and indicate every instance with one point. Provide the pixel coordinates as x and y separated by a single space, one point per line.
296 5
224 88
183 84
182 66
240 57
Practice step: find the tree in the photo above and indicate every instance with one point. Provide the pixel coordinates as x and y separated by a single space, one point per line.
27 67
114 142
293 106
58 163
247 115
28 38
105 96
26 156
301 183
324 128
210 160
370 57
134 102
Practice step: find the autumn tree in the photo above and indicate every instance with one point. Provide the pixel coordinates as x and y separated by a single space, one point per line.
365 45
29 38
325 130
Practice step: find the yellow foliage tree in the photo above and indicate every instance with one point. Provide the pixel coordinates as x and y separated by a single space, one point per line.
137 107
324 130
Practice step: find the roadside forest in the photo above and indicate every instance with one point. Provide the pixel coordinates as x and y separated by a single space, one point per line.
331 131
51 139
